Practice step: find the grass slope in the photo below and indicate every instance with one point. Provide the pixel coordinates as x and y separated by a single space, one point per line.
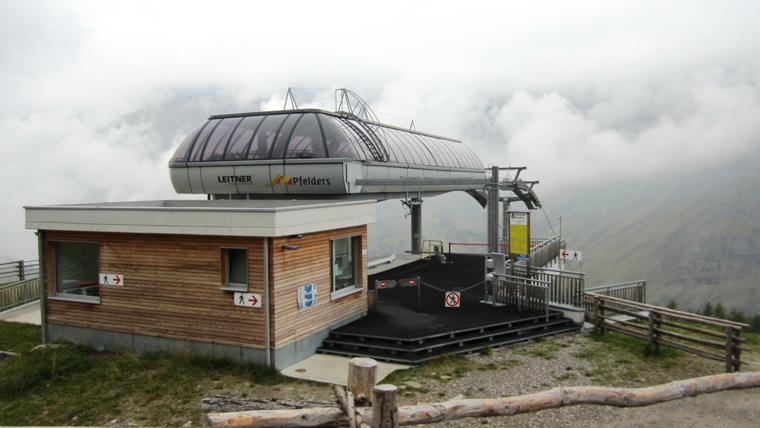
73 385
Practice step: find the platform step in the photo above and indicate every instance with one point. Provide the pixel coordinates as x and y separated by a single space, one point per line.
412 351
453 338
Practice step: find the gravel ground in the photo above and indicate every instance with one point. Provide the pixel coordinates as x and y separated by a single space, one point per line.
566 361
571 360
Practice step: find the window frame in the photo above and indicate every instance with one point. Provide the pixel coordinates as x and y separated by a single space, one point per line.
60 295
355 251
226 284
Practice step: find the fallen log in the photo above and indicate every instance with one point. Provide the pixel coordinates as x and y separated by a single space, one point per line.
458 409
226 404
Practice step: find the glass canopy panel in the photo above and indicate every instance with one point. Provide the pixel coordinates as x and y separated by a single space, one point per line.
448 148
200 142
431 148
264 138
418 150
300 135
420 146
241 139
428 150
358 136
306 141
278 150
466 159
339 139
403 151
217 141
393 147
443 149
393 155
181 154
472 160
410 153
456 152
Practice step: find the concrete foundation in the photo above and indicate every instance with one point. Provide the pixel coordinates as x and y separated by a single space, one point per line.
116 342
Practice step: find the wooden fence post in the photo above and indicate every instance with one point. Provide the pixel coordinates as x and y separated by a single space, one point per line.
650 333
384 407
653 337
731 348
598 329
737 348
362 373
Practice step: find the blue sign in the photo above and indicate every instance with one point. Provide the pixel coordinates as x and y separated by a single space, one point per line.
307 296
523 258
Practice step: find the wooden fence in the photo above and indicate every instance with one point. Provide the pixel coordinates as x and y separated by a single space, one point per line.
707 337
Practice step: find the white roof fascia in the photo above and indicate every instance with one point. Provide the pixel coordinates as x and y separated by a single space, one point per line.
217 218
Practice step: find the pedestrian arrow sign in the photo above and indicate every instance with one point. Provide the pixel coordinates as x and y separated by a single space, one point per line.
251 300
571 255
110 279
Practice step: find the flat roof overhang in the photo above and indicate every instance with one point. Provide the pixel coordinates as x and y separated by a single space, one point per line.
260 218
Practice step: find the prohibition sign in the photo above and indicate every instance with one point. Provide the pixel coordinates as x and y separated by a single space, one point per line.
452 299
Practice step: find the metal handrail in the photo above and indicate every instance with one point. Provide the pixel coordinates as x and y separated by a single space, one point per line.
19 294
538 245
19 269
635 291
618 286
522 285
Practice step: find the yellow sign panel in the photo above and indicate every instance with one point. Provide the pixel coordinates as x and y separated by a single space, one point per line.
519 233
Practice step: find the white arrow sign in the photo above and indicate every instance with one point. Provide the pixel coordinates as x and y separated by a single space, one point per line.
110 279
251 300
571 255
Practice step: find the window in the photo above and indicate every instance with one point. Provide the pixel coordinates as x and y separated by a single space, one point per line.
345 267
236 269
75 270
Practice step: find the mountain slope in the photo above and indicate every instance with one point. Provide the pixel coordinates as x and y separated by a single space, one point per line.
694 239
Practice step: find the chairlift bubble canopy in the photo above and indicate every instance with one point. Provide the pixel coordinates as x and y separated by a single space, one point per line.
309 152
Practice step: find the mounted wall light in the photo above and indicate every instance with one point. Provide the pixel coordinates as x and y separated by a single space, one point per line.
299 236
290 247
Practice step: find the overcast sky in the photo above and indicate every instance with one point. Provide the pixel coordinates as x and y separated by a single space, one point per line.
579 92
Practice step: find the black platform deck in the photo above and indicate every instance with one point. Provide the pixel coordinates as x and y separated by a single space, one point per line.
413 324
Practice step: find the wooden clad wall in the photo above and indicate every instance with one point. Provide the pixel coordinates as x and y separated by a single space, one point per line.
311 263
171 288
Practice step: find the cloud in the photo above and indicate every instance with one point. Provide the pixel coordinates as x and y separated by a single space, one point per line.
662 128
96 95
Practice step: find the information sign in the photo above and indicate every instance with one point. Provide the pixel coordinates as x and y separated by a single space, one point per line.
519 233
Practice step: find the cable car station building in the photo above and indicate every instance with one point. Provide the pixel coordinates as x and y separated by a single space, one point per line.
263 270
170 275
